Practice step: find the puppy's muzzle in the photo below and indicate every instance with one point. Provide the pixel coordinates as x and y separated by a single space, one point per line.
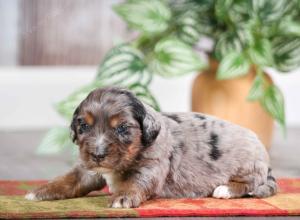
99 154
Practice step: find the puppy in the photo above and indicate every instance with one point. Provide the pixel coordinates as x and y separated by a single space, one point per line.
142 154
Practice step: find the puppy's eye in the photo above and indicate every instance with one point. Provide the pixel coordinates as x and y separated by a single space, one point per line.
83 128
122 129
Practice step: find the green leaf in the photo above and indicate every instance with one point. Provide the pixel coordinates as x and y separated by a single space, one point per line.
123 65
227 43
173 58
239 12
201 6
286 53
257 90
188 30
245 36
233 65
261 53
56 140
273 102
150 17
257 5
222 8
290 27
206 26
271 10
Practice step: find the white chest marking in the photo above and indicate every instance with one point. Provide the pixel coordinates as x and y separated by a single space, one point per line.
110 181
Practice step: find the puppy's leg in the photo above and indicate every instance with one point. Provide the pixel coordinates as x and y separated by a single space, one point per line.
129 195
137 188
78 182
256 181
268 188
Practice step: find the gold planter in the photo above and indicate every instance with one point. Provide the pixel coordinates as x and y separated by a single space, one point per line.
226 99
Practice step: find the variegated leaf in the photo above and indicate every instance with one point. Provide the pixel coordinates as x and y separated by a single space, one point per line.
261 53
188 27
286 53
149 17
273 102
227 43
172 58
257 90
222 8
123 65
233 65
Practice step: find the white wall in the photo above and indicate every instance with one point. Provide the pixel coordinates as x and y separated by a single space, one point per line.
27 94
9 32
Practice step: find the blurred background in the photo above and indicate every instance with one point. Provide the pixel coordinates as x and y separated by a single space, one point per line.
50 48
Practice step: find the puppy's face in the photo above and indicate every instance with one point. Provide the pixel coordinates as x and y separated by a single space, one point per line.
111 127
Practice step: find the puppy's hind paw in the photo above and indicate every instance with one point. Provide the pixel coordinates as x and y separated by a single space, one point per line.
222 192
31 196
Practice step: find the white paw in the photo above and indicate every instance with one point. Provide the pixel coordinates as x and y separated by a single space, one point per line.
116 204
125 202
222 192
31 196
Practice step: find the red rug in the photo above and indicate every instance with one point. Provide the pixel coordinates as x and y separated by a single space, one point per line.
13 204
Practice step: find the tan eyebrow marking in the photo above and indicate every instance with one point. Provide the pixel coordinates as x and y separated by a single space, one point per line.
114 121
89 119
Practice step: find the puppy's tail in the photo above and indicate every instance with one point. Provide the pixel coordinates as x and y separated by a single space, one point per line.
267 189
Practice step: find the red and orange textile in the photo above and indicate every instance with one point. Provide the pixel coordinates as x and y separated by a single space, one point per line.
13 204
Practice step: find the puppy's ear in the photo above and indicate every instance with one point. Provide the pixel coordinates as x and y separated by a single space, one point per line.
149 126
150 129
74 123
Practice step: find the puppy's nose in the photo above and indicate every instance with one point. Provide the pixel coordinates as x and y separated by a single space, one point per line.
100 153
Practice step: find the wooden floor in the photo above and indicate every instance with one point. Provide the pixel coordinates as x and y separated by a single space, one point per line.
18 159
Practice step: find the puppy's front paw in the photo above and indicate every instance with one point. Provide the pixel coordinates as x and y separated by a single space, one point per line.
38 195
222 192
45 192
125 201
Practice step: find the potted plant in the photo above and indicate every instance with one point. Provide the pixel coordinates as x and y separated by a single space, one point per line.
246 35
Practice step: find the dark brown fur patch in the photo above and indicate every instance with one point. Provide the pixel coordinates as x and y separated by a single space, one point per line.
173 117
199 116
214 152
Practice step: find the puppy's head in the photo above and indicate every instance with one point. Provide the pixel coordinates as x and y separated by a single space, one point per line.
111 127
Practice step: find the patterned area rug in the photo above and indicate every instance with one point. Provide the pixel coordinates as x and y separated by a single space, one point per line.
13 204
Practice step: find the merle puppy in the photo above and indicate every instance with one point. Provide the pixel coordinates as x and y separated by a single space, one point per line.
141 154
